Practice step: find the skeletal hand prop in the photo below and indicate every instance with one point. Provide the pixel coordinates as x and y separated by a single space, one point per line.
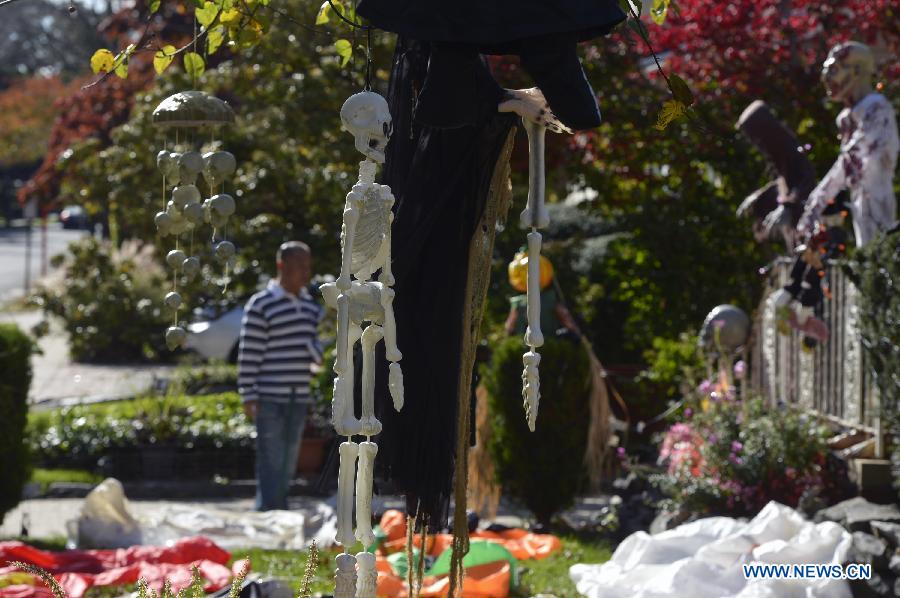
533 217
365 314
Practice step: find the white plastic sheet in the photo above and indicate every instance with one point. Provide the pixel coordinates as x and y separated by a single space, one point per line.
704 559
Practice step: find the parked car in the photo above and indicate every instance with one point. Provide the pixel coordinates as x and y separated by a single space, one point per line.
217 338
74 217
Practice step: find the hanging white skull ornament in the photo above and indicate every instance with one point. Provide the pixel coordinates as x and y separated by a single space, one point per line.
367 117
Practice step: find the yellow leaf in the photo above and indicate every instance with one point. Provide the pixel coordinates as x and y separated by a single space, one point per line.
344 49
102 61
163 58
122 69
193 64
671 110
659 10
232 16
214 39
324 13
206 14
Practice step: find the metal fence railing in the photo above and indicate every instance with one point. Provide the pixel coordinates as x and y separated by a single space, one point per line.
831 380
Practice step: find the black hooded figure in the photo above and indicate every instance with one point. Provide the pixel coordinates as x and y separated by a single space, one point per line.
447 140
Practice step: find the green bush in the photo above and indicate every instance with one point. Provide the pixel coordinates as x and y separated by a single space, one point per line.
543 468
875 269
110 301
15 363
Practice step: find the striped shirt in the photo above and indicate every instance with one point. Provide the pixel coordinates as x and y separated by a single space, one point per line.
278 343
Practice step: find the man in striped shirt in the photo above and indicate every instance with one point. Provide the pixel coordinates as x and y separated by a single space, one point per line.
277 346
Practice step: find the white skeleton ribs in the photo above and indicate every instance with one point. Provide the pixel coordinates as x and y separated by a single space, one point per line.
365 315
533 217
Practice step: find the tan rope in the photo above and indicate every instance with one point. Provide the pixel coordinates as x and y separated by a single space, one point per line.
481 250
410 525
597 446
484 490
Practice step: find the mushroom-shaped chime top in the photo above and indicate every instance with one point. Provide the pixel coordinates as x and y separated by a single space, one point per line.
182 116
725 329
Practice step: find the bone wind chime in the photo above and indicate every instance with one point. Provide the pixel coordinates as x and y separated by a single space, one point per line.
187 114
364 314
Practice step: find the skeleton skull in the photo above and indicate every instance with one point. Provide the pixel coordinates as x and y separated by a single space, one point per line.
367 117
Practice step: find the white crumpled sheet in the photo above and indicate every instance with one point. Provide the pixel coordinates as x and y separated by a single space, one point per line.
703 559
233 528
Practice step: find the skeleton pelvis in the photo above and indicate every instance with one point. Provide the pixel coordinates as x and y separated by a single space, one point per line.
365 300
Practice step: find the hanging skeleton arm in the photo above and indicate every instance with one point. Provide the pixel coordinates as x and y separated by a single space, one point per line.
536 118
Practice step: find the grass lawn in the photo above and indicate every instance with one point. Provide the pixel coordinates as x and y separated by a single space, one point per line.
550 575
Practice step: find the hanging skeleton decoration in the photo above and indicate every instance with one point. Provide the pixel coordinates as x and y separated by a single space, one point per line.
533 217
364 314
187 113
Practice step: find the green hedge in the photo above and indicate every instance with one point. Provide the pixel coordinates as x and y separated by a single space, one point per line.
875 269
76 437
15 365
543 468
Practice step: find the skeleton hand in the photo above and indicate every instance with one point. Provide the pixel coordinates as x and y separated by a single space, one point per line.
531 105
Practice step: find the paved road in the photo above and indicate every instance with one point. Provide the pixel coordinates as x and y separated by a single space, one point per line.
12 255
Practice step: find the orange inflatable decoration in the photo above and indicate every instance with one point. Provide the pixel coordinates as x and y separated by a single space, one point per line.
487 580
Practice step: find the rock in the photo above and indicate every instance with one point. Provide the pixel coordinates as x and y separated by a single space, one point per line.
894 566
857 514
629 485
869 549
889 532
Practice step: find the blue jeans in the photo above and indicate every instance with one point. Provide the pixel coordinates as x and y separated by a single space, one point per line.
279 430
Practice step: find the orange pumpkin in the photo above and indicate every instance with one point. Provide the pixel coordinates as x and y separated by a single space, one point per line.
518 272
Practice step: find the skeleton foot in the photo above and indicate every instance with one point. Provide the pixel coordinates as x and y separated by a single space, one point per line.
367 578
531 387
345 576
395 384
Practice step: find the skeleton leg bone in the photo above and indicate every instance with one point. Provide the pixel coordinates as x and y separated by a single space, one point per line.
364 477
369 425
343 418
535 214
347 470
533 335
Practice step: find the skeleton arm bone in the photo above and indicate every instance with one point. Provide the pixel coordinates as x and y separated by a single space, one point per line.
351 217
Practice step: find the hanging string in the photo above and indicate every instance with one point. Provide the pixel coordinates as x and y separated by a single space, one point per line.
368 86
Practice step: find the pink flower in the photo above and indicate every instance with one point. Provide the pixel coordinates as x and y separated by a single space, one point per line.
705 387
620 452
688 412
740 368
736 446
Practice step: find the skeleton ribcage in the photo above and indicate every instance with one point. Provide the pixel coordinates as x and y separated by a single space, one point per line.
371 228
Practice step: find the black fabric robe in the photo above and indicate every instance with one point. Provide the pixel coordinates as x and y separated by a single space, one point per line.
543 34
440 179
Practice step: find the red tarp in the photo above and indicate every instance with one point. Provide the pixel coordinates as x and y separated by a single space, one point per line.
78 570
